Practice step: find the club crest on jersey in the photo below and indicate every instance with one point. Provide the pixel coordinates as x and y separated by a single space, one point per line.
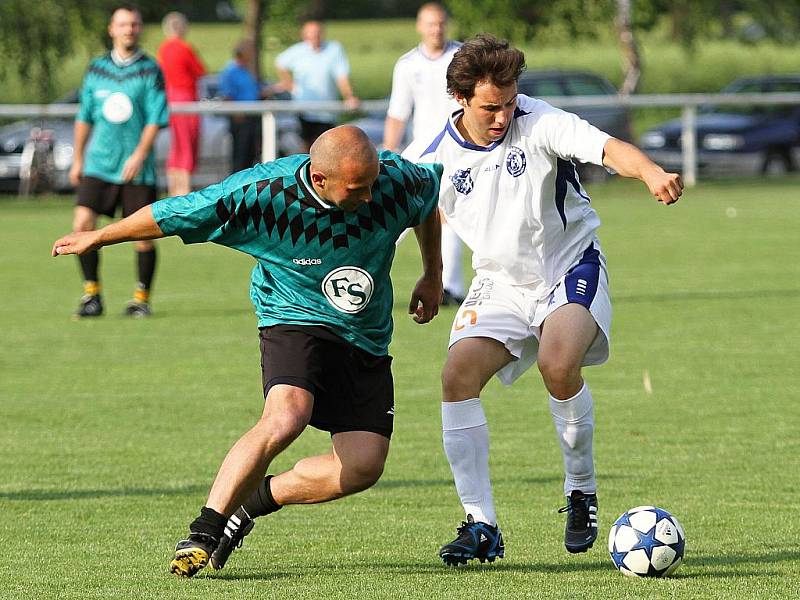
348 289
515 161
462 181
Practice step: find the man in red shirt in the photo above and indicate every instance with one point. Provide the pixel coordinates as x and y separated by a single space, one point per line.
182 68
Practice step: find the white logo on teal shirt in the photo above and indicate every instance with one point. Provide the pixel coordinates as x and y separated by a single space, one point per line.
117 108
348 289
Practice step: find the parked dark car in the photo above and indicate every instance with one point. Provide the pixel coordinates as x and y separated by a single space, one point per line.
614 120
737 139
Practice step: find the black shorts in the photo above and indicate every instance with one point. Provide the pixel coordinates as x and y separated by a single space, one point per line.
104 197
353 389
311 130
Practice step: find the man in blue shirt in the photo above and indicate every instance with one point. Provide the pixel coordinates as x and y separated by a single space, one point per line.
322 229
315 69
237 83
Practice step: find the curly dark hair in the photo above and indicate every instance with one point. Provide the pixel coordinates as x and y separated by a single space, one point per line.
483 58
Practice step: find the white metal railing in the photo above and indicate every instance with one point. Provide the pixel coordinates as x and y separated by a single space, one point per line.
269 108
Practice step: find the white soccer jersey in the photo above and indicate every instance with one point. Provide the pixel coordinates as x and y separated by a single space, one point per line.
518 203
420 83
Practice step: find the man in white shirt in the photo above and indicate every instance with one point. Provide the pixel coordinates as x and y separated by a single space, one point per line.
419 85
540 294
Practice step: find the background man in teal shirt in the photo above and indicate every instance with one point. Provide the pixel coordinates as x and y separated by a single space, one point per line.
323 231
122 105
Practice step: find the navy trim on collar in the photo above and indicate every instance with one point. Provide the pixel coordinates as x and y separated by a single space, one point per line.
451 129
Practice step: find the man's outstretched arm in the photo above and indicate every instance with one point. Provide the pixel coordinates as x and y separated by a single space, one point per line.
139 226
427 293
627 160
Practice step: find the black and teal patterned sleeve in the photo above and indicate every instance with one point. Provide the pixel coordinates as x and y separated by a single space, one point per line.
221 213
426 178
156 100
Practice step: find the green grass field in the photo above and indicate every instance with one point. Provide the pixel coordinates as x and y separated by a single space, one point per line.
111 431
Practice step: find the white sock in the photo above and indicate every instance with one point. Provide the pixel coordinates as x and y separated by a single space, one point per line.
466 443
452 273
574 421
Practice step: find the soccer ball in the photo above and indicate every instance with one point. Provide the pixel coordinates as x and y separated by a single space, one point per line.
646 542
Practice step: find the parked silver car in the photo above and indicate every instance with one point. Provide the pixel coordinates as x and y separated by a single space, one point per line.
214 156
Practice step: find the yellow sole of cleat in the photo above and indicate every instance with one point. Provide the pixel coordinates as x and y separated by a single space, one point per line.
188 562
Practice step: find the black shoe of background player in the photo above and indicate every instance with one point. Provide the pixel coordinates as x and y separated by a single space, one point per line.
137 309
90 306
237 527
451 299
581 530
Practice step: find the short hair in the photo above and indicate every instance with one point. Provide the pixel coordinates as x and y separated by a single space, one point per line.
438 6
483 58
174 23
129 6
242 47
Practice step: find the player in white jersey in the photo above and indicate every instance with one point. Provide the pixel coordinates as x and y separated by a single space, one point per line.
419 84
540 293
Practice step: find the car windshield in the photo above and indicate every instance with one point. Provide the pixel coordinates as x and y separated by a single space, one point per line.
565 85
586 87
540 87
754 87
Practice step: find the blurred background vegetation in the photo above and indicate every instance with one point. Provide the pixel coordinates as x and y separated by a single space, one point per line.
684 45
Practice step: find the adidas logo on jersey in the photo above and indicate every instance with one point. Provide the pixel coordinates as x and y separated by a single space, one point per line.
307 261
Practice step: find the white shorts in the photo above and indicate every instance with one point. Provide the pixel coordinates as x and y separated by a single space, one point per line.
513 316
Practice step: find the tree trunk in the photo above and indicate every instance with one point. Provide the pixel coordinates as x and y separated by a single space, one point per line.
253 20
726 18
632 62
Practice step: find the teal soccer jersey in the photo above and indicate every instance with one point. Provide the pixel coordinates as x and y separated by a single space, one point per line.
317 264
119 101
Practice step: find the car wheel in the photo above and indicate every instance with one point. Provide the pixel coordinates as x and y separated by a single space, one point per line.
776 164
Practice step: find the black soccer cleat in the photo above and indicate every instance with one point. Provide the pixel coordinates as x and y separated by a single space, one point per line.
192 554
237 527
137 309
89 306
475 540
581 529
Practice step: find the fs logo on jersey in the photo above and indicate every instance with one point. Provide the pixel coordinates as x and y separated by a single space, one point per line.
348 289
515 161
462 181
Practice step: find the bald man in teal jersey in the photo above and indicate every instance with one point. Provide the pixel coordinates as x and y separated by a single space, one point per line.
322 229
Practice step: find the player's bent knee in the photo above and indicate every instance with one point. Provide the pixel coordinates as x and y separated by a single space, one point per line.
561 379
282 429
358 477
459 383
84 219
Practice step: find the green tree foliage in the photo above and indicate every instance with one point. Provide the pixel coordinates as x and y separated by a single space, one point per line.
780 19
36 36
689 20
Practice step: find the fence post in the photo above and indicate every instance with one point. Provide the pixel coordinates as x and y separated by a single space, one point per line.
269 137
689 145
